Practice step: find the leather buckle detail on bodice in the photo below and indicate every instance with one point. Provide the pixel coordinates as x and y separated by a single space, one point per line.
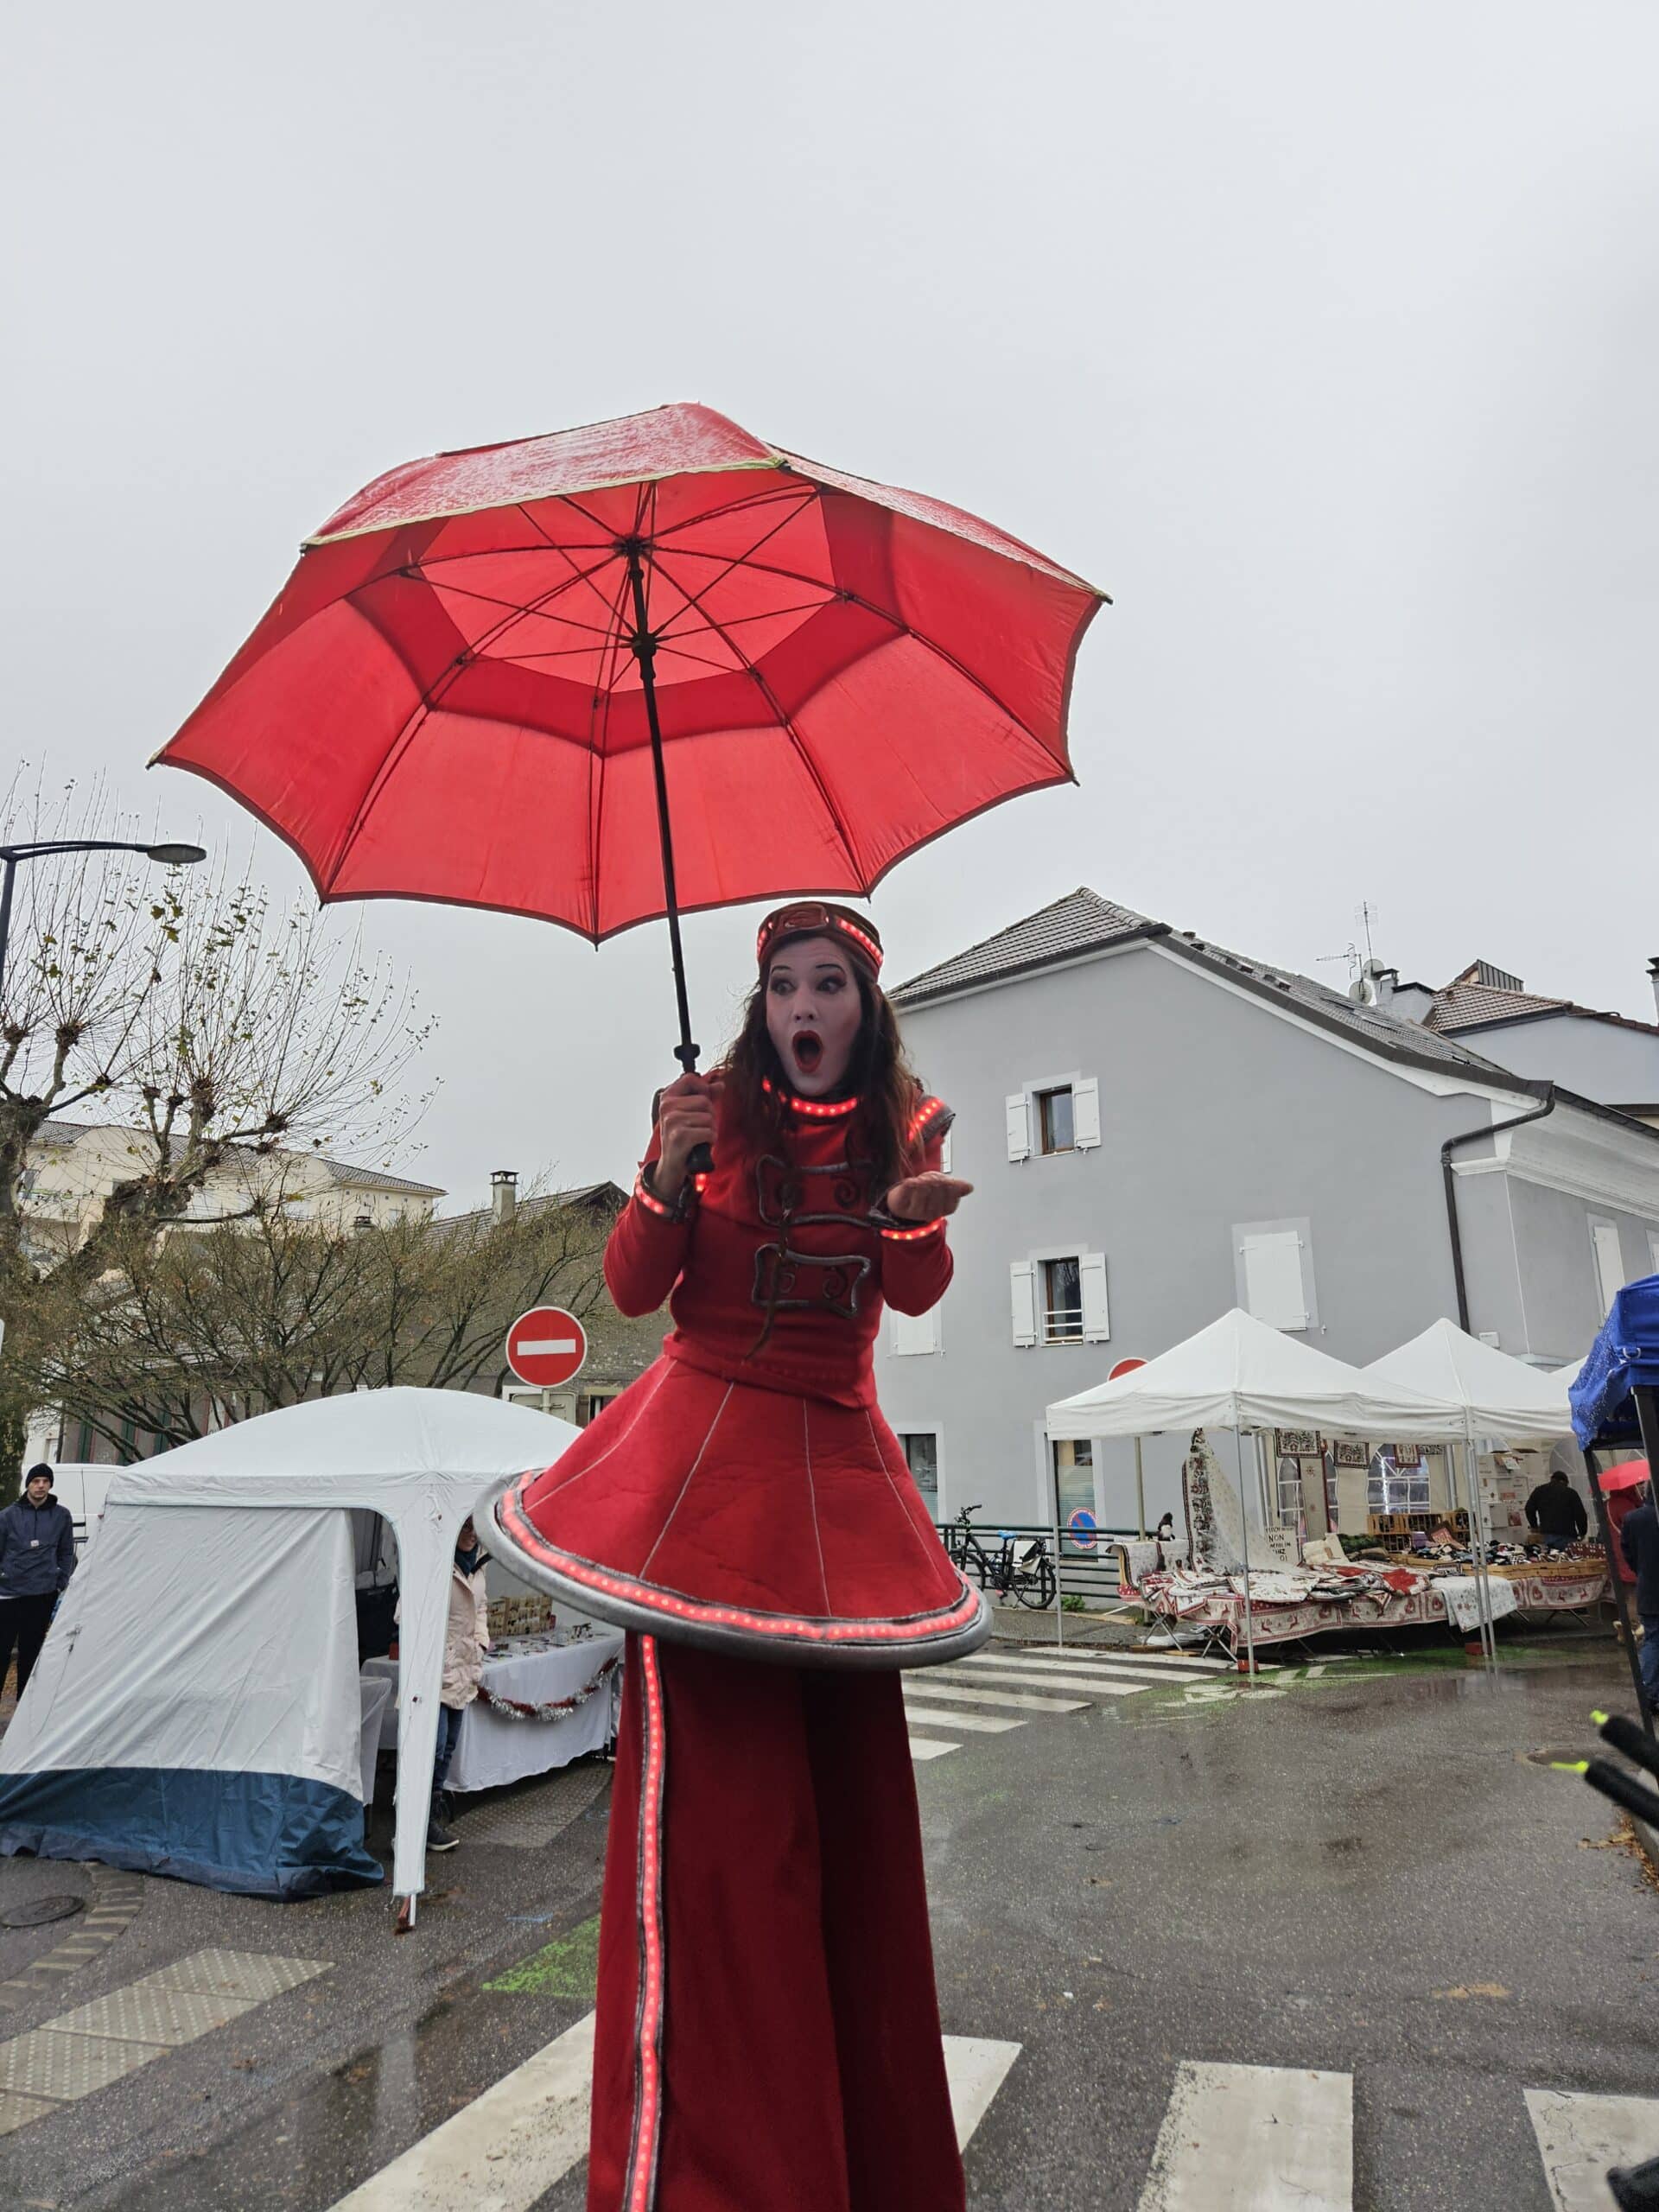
785 1194
807 1282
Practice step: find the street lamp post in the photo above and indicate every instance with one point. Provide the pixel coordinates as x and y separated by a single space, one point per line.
170 855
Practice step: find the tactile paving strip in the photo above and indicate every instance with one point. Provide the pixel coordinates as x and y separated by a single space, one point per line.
153 2011
115 1900
250 1975
17 2112
530 1818
47 2063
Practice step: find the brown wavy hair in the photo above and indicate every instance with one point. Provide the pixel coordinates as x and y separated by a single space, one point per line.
878 1073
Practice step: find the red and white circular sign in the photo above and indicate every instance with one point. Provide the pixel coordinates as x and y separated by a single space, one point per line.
546 1346
1125 1367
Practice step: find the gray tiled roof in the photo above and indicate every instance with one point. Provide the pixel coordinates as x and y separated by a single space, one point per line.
1081 922
376 1179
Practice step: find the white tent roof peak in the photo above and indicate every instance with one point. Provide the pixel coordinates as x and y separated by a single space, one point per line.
1499 1396
1239 1373
361 1441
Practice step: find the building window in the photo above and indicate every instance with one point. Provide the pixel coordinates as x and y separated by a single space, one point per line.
921 1450
1288 1501
591 1402
1055 1123
1062 1300
1397 1483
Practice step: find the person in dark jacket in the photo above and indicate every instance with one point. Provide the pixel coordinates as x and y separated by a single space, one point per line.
1555 1512
1639 1536
38 1557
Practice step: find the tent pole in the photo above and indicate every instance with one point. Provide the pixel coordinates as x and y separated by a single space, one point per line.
1054 1512
1477 1550
1245 1535
1139 1491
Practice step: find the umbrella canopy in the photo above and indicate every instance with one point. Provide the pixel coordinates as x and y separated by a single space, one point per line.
1630 1474
448 698
1241 1374
1489 1394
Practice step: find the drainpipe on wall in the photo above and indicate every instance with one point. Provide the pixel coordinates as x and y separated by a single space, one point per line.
1491 1130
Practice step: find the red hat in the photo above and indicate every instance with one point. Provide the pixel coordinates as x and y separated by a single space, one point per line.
814 918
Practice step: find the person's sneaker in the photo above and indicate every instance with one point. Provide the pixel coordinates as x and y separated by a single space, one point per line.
1635 2189
439 1838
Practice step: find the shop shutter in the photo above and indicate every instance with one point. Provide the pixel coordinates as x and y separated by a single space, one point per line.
1019 1126
1091 1272
909 1333
1273 1278
1085 1113
1022 1292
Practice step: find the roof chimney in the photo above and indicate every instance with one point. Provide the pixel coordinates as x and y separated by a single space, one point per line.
503 1194
1653 977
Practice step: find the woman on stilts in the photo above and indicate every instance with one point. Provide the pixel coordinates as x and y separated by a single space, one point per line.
768 2034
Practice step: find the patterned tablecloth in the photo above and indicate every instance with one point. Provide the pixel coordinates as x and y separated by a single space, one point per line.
497 1744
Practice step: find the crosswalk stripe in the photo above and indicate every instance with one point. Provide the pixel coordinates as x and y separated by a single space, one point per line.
509 2146
1030 1678
983 1724
1144 1665
930 1747
1580 2136
962 1693
1254 2139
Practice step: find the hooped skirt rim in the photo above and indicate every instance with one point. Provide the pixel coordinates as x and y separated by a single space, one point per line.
927 1639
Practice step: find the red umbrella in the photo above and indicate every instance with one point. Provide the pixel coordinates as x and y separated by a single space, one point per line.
493 674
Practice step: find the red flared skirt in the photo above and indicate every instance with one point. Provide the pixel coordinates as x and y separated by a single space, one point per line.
748 1520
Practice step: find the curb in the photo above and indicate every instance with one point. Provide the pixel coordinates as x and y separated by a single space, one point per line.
1648 1839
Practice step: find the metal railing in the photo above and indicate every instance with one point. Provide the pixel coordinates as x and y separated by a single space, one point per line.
1015 1564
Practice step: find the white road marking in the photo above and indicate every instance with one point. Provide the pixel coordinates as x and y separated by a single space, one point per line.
956 1694
1170 1670
1580 2136
1033 1678
983 1724
509 2146
503 2151
1254 2139
930 1747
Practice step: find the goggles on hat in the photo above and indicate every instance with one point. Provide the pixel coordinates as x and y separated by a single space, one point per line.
814 918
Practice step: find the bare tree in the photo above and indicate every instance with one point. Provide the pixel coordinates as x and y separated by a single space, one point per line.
187 1009
204 1327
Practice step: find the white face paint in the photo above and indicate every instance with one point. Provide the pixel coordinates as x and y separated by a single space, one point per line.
813 1013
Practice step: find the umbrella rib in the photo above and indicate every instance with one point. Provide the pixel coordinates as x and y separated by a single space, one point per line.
795 739
603 694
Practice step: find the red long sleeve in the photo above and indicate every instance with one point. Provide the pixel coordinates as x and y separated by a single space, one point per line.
646 1251
917 1267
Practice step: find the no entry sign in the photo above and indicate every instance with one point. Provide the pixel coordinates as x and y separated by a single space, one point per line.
546 1346
1124 1367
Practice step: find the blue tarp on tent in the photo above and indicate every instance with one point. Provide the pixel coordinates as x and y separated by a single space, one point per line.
1626 1356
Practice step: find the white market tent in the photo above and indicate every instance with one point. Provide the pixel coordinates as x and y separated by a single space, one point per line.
1241 1374
1244 1374
196 1708
1492 1393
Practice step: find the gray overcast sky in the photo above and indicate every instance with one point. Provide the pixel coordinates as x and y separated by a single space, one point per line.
1323 337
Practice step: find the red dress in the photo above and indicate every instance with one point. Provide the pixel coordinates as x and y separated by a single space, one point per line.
749 1496
769 2033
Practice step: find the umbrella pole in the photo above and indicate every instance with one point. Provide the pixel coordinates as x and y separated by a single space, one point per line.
642 644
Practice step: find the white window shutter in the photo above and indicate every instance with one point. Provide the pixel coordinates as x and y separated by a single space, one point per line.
1091 1271
1085 1114
944 1153
1610 1262
1273 1278
909 1333
1019 1126
1022 1292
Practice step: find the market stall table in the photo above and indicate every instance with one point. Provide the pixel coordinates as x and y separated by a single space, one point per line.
540 1706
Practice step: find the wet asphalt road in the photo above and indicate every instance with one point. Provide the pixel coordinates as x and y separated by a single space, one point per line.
1363 1876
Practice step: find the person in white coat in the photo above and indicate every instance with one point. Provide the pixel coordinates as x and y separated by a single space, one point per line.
467 1638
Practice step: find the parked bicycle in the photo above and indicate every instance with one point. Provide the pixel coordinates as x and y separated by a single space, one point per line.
1022 1568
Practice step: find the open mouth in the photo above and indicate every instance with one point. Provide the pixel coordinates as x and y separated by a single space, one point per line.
807 1048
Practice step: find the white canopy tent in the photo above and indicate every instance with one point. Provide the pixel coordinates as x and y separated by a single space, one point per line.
197 1693
1244 1374
1241 1374
1484 1393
